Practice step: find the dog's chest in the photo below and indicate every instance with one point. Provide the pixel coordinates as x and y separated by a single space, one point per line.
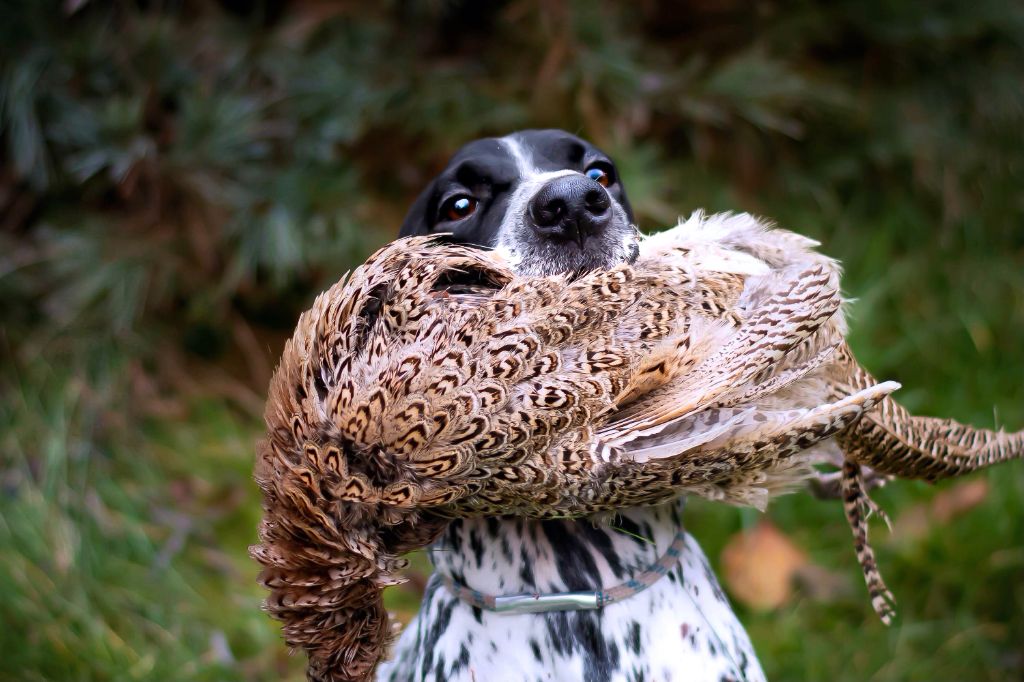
681 628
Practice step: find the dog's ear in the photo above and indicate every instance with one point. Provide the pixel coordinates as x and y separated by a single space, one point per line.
419 219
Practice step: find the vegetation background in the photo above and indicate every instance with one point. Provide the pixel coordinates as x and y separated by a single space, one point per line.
178 179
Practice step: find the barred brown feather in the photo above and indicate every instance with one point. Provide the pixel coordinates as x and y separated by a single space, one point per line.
433 382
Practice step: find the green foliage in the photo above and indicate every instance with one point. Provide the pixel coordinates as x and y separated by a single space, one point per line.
177 181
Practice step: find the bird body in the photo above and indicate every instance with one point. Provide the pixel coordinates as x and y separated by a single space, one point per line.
434 382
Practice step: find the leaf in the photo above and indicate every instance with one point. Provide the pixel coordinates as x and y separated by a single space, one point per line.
760 566
916 521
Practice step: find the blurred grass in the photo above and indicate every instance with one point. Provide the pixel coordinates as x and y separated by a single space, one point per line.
177 181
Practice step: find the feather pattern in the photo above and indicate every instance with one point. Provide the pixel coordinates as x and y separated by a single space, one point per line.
433 382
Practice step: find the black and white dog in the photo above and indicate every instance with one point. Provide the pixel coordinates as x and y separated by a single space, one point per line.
554 203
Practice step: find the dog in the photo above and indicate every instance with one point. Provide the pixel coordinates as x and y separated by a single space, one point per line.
553 203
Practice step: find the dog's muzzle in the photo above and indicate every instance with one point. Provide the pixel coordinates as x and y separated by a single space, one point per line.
570 208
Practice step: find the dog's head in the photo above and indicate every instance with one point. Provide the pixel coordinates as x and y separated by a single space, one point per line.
551 201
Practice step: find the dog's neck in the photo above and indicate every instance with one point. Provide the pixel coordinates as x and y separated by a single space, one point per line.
515 555
680 627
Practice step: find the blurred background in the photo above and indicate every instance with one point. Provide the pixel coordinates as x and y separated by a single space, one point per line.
178 179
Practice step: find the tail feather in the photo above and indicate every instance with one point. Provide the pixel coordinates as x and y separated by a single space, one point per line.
892 441
858 506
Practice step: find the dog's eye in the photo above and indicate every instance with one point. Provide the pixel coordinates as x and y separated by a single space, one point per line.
458 207
600 175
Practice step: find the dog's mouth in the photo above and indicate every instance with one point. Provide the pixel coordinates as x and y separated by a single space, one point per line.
537 256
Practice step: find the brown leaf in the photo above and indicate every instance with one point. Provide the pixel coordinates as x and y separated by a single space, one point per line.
916 521
959 499
760 565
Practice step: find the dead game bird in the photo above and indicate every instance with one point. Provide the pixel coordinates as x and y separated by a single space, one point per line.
434 382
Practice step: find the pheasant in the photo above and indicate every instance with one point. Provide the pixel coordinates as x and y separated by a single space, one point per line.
434 382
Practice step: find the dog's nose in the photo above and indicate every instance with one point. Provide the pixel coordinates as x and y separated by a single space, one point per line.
570 208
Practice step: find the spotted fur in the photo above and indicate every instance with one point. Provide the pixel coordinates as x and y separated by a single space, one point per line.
680 629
